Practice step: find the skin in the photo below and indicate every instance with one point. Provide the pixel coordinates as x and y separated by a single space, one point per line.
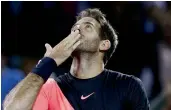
87 50
88 58
18 98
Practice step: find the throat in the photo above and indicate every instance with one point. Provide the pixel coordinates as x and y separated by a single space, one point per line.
85 67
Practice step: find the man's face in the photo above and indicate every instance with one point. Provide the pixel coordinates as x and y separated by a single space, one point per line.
89 30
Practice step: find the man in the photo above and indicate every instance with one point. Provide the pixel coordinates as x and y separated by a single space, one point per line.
88 86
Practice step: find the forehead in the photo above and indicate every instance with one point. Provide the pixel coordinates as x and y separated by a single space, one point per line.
90 20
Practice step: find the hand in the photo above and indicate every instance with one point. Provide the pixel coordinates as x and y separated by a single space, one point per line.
64 49
48 50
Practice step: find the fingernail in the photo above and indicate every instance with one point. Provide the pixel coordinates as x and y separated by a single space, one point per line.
77 31
72 32
78 26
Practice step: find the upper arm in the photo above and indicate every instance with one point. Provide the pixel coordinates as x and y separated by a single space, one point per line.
137 95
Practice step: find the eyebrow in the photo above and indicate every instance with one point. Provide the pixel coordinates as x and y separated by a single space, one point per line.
84 23
89 23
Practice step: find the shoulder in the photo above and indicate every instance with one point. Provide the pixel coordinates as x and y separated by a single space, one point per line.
49 88
63 81
59 79
48 85
130 85
123 79
121 76
53 81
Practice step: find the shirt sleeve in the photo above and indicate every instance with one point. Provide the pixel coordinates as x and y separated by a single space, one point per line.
137 95
51 97
41 102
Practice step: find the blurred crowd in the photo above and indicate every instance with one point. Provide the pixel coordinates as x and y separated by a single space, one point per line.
144 30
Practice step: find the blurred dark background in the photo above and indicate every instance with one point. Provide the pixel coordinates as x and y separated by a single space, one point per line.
143 40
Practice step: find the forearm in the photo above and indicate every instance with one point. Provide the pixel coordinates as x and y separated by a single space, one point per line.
24 94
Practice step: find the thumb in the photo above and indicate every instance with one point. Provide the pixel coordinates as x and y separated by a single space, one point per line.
48 47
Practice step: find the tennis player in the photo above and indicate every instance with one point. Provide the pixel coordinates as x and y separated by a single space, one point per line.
88 85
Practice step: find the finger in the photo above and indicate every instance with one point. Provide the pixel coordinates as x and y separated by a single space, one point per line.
73 34
76 45
48 47
77 27
69 37
73 41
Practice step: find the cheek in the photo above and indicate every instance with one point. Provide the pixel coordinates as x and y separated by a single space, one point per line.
90 34
90 38
92 41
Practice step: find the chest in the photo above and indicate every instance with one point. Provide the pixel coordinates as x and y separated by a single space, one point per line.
106 98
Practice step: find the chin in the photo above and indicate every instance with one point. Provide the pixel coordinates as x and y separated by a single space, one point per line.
75 52
79 48
82 49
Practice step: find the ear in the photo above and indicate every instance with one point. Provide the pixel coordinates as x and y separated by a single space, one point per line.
104 45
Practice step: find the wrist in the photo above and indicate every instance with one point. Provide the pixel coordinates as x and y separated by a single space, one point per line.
52 57
45 67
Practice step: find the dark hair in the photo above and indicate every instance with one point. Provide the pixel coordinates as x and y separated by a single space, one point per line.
106 32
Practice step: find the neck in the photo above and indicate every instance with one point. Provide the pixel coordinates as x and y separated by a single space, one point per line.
86 65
